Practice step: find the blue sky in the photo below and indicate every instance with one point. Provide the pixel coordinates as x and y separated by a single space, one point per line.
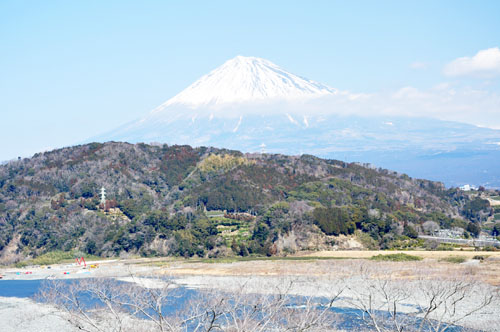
70 70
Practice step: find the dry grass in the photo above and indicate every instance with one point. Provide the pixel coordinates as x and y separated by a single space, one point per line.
494 202
435 264
432 266
469 254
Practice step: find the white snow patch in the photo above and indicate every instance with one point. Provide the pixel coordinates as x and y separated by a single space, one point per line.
292 120
238 125
306 122
388 123
211 117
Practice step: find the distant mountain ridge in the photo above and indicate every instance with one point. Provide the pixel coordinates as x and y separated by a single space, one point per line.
251 104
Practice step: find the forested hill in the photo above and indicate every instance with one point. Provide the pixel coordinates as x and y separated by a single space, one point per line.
176 200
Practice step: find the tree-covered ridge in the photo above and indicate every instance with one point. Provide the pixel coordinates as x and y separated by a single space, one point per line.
183 201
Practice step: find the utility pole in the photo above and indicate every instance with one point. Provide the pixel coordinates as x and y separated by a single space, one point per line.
103 197
262 148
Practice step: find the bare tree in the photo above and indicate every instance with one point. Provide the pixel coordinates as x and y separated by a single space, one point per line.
444 303
385 303
97 305
379 302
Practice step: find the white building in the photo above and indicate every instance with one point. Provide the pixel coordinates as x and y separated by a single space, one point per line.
468 187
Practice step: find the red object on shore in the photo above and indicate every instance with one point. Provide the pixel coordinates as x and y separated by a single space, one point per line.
80 261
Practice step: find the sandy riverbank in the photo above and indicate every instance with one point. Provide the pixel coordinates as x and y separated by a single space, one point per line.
487 270
420 253
328 277
25 315
105 268
308 277
303 263
350 290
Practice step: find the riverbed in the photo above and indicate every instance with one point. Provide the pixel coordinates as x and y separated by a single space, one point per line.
319 278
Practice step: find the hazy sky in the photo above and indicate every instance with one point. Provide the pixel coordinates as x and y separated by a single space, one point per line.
70 70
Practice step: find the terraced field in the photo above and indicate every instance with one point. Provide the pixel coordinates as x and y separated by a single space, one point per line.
230 229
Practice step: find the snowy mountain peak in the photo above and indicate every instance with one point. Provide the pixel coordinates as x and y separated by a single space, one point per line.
247 79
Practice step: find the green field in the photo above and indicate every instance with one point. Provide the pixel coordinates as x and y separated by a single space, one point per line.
214 213
230 229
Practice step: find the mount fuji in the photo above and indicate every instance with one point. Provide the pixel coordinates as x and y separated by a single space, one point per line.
247 79
251 104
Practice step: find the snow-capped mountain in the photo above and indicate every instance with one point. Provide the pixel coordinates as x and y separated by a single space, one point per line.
251 104
247 79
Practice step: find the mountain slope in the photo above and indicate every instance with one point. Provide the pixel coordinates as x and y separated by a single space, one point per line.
246 79
450 152
169 200
250 104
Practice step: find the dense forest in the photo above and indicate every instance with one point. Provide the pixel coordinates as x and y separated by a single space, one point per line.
179 200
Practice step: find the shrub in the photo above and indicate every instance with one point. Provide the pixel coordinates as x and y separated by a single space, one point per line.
474 229
53 257
490 248
410 232
445 247
453 259
366 240
401 257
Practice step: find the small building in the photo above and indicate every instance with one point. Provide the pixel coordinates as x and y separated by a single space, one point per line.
465 187
468 187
